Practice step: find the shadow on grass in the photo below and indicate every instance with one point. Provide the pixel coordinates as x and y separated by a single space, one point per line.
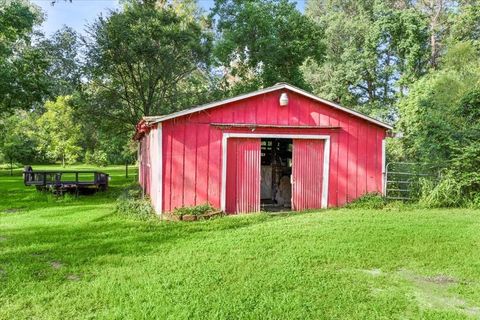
107 237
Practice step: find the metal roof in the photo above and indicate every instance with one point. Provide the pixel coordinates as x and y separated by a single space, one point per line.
278 86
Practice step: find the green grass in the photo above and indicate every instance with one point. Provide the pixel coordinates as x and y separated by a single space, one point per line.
74 258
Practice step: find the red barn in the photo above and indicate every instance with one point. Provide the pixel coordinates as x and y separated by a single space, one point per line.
278 148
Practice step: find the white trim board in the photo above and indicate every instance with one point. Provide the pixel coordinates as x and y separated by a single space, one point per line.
160 170
326 160
384 171
278 86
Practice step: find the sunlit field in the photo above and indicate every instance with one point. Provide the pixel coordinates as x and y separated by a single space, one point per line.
67 257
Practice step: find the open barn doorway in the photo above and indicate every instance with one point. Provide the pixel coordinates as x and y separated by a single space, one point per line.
276 171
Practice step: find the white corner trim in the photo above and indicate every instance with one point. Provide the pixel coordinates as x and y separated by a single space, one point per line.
160 170
384 163
326 160
326 173
263 91
223 191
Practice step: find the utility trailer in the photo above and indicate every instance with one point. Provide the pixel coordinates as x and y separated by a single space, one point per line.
61 181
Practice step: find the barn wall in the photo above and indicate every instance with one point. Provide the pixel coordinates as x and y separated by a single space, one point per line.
192 147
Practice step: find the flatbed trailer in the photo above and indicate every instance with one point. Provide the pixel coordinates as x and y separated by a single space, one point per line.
60 181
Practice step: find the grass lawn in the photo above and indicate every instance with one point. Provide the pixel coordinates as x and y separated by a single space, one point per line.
74 258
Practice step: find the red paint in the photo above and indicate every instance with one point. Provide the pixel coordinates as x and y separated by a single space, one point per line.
192 147
307 174
243 175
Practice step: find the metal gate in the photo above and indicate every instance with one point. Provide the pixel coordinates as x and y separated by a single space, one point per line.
403 179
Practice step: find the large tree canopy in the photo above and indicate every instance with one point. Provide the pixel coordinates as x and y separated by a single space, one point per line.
374 49
23 80
143 61
262 42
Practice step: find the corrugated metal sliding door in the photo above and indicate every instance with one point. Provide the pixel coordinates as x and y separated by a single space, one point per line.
307 174
243 175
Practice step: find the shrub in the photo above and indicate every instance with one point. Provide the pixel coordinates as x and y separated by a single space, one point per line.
194 210
132 203
368 201
459 185
97 158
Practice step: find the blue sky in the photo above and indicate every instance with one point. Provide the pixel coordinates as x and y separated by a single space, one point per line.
80 12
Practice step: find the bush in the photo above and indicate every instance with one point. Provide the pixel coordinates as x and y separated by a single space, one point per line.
132 203
97 158
368 201
194 210
459 185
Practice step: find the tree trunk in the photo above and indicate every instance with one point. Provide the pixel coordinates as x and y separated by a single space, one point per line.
11 166
126 169
63 161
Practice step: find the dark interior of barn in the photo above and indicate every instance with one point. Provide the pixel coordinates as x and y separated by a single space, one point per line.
276 188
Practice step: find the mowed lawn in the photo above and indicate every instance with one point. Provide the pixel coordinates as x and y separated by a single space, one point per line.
75 258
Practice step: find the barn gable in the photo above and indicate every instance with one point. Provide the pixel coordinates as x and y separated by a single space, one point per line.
251 96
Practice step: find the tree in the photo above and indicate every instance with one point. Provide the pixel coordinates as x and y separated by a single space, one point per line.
374 50
17 143
142 61
23 81
435 112
59 133
62 52
263 42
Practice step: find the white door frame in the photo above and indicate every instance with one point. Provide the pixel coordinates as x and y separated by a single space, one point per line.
326 159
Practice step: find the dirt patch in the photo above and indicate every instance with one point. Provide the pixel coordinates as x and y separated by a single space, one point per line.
441 279
433 292
73 277
12 210
56 265
373 272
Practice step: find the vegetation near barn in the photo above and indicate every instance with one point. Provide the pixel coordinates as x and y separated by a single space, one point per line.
76 258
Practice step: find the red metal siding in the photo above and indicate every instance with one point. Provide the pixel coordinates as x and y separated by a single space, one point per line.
243 175
307 174
192 148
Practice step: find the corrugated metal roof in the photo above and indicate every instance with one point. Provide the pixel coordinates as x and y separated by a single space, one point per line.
279 86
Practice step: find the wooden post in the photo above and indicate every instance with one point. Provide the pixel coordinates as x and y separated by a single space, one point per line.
11 166
126 169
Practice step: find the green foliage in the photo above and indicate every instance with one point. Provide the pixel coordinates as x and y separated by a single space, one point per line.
23 80
434 114
59 133
374 50
368 201
132 203
142 61
97 158
63 50
17 143
263 42
194 210
460 184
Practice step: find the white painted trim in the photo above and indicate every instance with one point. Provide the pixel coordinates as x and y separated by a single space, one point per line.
263 91
384 163
326 173
223 191
326 160
160 168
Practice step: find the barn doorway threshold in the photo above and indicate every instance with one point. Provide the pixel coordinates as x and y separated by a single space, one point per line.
276 171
